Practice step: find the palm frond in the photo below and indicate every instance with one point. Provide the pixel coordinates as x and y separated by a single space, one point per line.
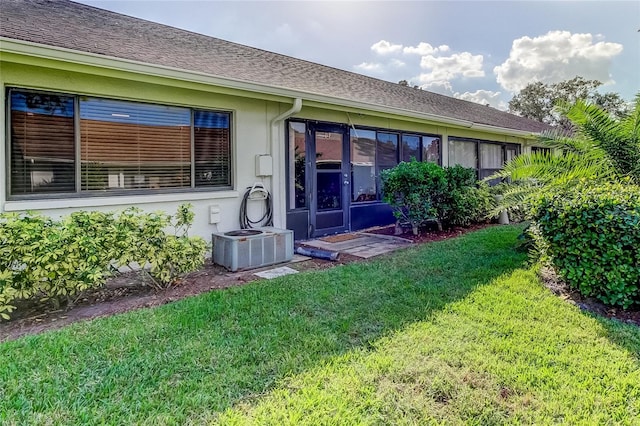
600 148
545 168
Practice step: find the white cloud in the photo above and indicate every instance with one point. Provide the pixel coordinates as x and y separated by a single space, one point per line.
284 31
370 67
443 87
383 47
446 68
554 57
484 97
397 63
424 49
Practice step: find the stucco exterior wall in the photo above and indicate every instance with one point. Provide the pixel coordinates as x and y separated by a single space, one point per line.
253 133
250 137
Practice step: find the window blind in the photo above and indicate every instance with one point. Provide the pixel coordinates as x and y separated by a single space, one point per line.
212 147
127 145
42 143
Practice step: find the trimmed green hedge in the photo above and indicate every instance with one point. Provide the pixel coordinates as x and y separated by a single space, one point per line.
465 200
592 237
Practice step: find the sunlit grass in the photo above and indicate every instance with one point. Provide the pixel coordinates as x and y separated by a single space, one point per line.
510 352
453 332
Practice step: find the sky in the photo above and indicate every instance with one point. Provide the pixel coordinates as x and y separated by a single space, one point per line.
480 51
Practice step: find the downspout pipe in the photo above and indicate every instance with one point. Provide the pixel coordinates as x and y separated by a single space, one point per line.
297 106
278 183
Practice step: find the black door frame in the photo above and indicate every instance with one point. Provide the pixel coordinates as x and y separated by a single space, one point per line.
312 182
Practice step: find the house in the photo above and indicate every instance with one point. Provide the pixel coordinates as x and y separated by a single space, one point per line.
104 111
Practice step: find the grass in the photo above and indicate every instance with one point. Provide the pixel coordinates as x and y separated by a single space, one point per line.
455 332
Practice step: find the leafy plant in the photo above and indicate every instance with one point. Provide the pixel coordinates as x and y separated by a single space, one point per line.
465 200
414 190
145 245
420 192
592 235
54 260
600 149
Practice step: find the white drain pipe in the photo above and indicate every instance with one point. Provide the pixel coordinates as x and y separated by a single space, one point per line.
278 182
297 106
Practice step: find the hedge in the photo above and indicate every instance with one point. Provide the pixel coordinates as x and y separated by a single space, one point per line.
592 237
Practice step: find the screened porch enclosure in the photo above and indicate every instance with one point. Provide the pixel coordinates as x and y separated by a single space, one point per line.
333 174
333 171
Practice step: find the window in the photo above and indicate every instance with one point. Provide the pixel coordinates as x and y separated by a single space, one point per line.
540 150
363 165
387 154
410 148
212 148
373 151
117 146
42 143
297 165
126 145
463 153
431 149
485 156
491 159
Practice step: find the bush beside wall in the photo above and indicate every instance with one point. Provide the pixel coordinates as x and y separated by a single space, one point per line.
54 259
592 237
421 192
465 200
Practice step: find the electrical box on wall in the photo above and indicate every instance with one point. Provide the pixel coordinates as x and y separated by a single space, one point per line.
264 165
214 214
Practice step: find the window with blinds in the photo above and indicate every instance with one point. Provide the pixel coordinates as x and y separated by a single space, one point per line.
127 145
42 158
463 153
65 144
212 148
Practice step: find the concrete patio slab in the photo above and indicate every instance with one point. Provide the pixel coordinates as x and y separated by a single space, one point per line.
364 245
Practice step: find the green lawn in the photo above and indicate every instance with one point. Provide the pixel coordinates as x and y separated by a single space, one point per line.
454 332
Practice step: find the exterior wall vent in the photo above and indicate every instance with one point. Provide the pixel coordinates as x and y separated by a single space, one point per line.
252 248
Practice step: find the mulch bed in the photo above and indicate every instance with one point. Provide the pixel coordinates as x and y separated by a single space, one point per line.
128 292
589 304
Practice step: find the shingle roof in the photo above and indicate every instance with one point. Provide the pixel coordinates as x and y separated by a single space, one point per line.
84 28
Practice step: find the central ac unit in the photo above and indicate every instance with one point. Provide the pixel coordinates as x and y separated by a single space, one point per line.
252 248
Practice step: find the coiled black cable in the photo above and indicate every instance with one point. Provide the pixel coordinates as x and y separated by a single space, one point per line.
245 222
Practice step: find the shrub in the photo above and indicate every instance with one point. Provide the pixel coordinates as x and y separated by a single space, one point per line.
592 235
42 257
465 200
419 192
414 190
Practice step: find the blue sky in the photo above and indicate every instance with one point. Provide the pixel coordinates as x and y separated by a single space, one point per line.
474 50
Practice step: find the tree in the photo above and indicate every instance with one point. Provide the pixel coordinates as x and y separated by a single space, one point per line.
537 100
407 83
601 148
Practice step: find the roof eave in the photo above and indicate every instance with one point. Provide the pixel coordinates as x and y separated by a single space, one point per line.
27 48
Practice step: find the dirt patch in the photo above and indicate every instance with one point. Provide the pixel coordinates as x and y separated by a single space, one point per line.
428 233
